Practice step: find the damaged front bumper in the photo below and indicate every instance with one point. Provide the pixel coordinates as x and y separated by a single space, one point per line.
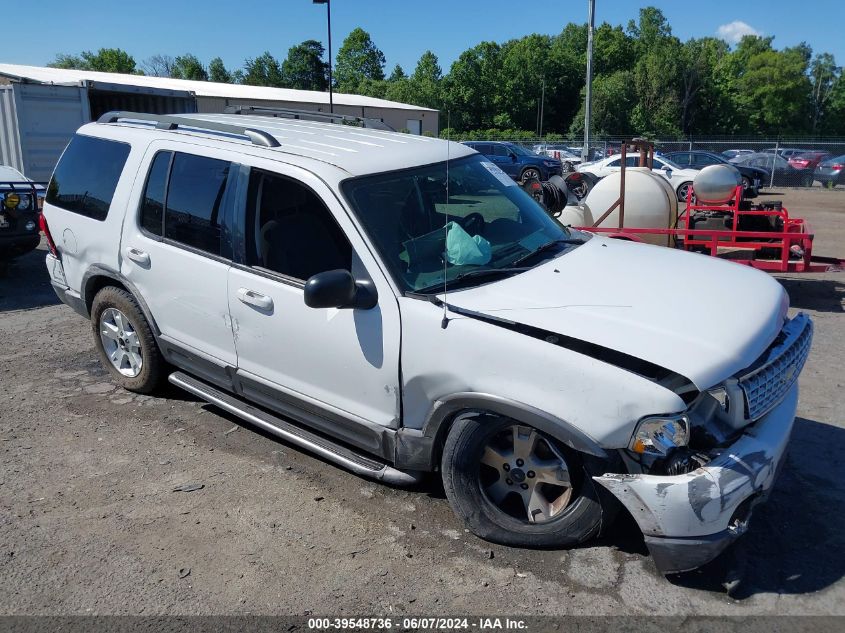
688 519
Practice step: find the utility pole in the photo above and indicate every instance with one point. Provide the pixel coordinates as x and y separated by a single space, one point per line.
588 105
542 106
328 4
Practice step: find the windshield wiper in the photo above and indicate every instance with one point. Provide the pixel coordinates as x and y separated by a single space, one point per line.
472 274
547 246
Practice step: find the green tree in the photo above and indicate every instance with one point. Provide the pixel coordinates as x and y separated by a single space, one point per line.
471 88
656 74
775 91
264 70
833 122
824 74
217 72
187 66
425 82
397 74
304 68
358 59
614 97
106 60
701 99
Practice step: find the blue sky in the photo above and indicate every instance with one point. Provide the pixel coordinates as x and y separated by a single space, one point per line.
237 29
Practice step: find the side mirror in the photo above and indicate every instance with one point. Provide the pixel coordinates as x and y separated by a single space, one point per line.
338 289
512 155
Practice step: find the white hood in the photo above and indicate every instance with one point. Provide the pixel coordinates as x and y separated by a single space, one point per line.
696 315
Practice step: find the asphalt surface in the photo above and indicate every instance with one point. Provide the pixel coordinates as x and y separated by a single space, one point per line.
90 522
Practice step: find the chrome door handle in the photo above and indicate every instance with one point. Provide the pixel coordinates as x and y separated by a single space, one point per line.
250 297
138 256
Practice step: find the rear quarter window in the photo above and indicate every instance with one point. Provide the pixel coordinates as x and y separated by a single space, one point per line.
86 177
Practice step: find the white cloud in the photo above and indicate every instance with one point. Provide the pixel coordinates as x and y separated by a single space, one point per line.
734 31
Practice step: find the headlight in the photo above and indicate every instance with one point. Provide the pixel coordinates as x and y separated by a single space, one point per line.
11 200
658 435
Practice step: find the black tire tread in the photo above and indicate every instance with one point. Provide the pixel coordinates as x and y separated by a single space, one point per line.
152 372
580 522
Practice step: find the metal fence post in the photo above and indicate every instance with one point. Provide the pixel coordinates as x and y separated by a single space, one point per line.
774 163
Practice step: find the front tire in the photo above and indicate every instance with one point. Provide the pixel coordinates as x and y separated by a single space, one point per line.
683 190
125 341
515 485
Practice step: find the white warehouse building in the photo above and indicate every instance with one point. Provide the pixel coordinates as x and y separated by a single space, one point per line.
40 108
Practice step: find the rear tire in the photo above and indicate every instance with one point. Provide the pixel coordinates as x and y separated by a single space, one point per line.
569 518
530 172
134 360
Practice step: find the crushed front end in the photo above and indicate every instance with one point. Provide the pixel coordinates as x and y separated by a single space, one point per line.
696 500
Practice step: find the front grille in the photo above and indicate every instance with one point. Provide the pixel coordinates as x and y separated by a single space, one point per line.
774 373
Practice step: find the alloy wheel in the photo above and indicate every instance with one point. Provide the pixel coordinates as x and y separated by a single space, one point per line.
524 474
120 342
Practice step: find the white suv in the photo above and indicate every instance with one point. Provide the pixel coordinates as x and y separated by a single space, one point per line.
359 295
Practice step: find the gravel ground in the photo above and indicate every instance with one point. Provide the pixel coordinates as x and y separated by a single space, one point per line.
90 522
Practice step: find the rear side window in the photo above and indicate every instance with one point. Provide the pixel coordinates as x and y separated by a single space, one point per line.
195 201
184 199
87 175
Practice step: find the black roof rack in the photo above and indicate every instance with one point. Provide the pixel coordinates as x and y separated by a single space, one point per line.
309 115
168 122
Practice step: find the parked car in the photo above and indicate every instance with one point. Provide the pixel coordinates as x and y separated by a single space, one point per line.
19 202
831 171
808 160
296 274
733 153
680 177
753 178
517 162
784 174
786 152
568 159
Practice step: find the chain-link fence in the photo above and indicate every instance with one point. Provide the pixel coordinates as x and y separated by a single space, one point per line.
787 162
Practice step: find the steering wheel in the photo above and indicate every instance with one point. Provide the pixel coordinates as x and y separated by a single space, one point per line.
472 223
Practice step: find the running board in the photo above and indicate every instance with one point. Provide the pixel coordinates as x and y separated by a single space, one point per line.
324 447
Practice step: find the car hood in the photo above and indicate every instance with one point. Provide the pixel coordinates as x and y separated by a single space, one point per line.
696 315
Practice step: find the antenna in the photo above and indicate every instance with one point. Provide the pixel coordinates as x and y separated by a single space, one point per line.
445 321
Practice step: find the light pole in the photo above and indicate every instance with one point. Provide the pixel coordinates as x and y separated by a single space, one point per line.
328 4
588 105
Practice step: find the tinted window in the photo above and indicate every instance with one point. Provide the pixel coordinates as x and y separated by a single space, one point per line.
290 231
195 201
484 148
501 150
682 159
87 175
152 206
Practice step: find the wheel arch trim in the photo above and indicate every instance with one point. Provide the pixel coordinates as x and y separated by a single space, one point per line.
446 409
97 271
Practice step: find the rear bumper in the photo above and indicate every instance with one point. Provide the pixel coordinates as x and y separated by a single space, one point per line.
687 520
60 287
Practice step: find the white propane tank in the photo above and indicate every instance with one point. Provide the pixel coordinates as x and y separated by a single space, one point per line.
650 202
716 184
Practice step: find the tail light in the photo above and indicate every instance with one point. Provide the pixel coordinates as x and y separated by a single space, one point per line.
838 166
42 224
